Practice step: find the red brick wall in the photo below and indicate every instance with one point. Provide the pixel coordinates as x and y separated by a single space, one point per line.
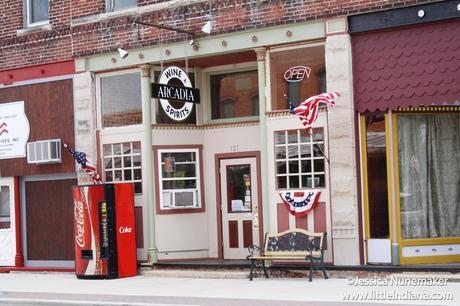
65 41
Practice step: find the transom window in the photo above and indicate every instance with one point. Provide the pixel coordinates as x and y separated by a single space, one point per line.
179 178
116 5
37 12
299 158
121 99
123 163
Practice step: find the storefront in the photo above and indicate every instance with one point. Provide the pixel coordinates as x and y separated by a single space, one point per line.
208 174
36 116
407 95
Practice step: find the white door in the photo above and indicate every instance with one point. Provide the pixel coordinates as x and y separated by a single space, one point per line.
239 200
7 224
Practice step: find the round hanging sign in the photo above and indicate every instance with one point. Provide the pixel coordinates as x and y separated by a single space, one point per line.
166 92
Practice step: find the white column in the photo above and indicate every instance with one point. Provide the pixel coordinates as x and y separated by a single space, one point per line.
342 154
261 52
147 154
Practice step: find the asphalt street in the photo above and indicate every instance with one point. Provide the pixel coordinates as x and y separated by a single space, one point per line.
66 289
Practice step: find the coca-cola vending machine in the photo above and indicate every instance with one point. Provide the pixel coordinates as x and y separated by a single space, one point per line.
105 242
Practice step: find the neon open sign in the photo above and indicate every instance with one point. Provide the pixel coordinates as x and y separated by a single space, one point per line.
297 73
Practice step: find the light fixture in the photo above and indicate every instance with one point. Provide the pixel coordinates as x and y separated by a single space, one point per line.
458 7
207 27
123 53
421 13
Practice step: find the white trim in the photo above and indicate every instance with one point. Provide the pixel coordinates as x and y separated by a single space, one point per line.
430 250
49 263
295 46
38 81
50 177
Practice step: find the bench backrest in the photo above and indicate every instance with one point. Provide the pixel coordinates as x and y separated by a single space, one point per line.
294 242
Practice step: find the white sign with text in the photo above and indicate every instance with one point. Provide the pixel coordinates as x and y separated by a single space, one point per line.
14 130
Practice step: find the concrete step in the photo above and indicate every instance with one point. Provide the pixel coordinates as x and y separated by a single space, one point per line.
215 274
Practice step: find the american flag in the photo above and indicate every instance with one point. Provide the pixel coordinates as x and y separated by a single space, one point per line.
85 164
308 110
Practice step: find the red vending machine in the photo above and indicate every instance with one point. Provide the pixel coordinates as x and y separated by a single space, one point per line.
105 242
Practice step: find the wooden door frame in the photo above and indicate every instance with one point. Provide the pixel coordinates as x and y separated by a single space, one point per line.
236 155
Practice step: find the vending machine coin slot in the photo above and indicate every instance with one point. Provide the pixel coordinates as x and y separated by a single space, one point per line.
87 254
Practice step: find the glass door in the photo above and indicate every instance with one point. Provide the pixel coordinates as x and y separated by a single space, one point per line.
7 224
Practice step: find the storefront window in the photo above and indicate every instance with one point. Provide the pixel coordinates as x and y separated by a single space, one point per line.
234 95
429 175
179 175
296 74
122 163
299 159
5 221
121 99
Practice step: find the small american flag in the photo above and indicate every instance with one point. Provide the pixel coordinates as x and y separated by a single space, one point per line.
308 110
85 164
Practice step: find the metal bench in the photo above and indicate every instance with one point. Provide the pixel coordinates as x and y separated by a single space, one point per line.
290 245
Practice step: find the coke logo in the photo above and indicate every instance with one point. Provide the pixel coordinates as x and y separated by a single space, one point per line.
80 223
125 229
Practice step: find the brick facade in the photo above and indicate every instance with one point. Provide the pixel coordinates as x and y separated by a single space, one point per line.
76 30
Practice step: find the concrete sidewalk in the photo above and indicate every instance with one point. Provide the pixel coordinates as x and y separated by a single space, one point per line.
66 289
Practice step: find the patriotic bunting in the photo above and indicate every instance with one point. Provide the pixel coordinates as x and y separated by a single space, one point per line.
300 203
308 110
85 164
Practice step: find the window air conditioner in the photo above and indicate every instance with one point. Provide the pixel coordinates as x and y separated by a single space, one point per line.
178 199
44 152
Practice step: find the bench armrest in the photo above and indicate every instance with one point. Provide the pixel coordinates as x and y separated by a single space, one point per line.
252 248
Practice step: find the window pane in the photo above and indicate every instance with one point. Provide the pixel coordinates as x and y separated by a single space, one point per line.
179 184
138 187
107 148
117 149
318 180
304 82
136 160
178 157
109 176
108 163
128 175
305 151
306 166
234 95
293 151
136 147
292 137
117 162
293 167
121 100
127 161
126 148
280 137
282 182
318 150
5 218
318 134
118 176
306 181
239 188
294 181
123 4
280 152
429 176
137 174
305 136
318 165
181 170
281 167
39 10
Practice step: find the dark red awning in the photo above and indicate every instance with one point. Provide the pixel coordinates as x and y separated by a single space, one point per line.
416 66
